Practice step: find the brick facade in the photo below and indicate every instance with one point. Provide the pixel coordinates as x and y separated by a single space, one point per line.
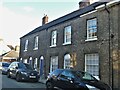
79 46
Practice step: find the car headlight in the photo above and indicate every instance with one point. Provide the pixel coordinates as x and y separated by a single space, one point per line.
91 87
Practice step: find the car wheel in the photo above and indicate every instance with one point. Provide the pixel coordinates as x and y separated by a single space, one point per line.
8 74
18 77
49 85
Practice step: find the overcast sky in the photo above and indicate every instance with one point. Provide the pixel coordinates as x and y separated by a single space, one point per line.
18 17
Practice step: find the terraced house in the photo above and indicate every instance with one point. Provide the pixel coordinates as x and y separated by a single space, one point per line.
87 39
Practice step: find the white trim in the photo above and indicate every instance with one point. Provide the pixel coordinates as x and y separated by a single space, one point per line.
35 48
101 6
53 46
25 50
94 39
88 13
109 3
68 43
112 2
9 58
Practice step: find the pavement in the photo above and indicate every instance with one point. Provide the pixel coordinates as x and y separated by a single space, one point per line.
42 80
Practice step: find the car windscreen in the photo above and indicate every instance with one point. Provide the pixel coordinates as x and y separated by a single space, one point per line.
25 66
5 64
84 75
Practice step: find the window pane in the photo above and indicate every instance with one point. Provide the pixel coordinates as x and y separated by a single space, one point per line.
53 38
92 64
36 42
54 63
26 45
67 34
91 29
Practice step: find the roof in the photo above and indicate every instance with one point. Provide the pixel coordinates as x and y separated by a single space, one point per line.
11 53
67 17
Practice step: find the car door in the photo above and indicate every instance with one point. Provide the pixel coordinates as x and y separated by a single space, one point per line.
12 69
65 80
15 67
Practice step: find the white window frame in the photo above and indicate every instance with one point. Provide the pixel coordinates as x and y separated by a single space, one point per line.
91 29
92 64
67 35
67 61
53 38
26 45
36 43
53 63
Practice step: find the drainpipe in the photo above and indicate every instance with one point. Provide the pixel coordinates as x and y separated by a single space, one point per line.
110 59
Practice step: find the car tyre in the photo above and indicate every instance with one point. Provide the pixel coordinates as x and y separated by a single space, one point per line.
8 74
18 78
49 86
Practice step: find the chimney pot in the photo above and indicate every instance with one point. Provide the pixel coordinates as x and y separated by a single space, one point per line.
84 3
44 19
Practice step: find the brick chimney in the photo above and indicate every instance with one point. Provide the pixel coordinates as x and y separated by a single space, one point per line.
44 19
84 3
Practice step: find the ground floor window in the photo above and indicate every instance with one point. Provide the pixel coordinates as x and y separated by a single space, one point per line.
67 63
25 61
35 63
92 64
54 63
30 61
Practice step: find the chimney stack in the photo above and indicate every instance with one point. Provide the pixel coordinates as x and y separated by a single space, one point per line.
44 19
84 3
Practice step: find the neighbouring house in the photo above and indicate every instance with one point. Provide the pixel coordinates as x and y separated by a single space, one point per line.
8 52
10 56
3 47
87 39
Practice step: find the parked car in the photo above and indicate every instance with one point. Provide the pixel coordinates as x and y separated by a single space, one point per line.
67 78
22 71
4 67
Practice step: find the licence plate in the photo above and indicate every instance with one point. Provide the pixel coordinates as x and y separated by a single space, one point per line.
32 76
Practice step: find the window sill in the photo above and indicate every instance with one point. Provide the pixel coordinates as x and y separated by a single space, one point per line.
91 39
67 43
35 49
53 46
25 50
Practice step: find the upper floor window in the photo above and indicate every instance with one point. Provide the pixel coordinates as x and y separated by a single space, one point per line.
92 29
53 38
26 45
67 35
36 42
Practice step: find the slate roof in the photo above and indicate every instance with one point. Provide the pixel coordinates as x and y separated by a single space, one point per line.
67 17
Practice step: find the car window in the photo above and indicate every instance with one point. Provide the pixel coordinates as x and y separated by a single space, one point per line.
25 66
28 66
66 74
56 72
84 75
5 64
12 65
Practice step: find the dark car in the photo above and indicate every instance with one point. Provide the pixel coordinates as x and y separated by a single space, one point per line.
4 67
22 71
67 78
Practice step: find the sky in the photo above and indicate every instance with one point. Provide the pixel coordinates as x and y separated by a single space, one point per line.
18 17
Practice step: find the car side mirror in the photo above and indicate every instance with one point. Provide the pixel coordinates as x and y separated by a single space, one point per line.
16 67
